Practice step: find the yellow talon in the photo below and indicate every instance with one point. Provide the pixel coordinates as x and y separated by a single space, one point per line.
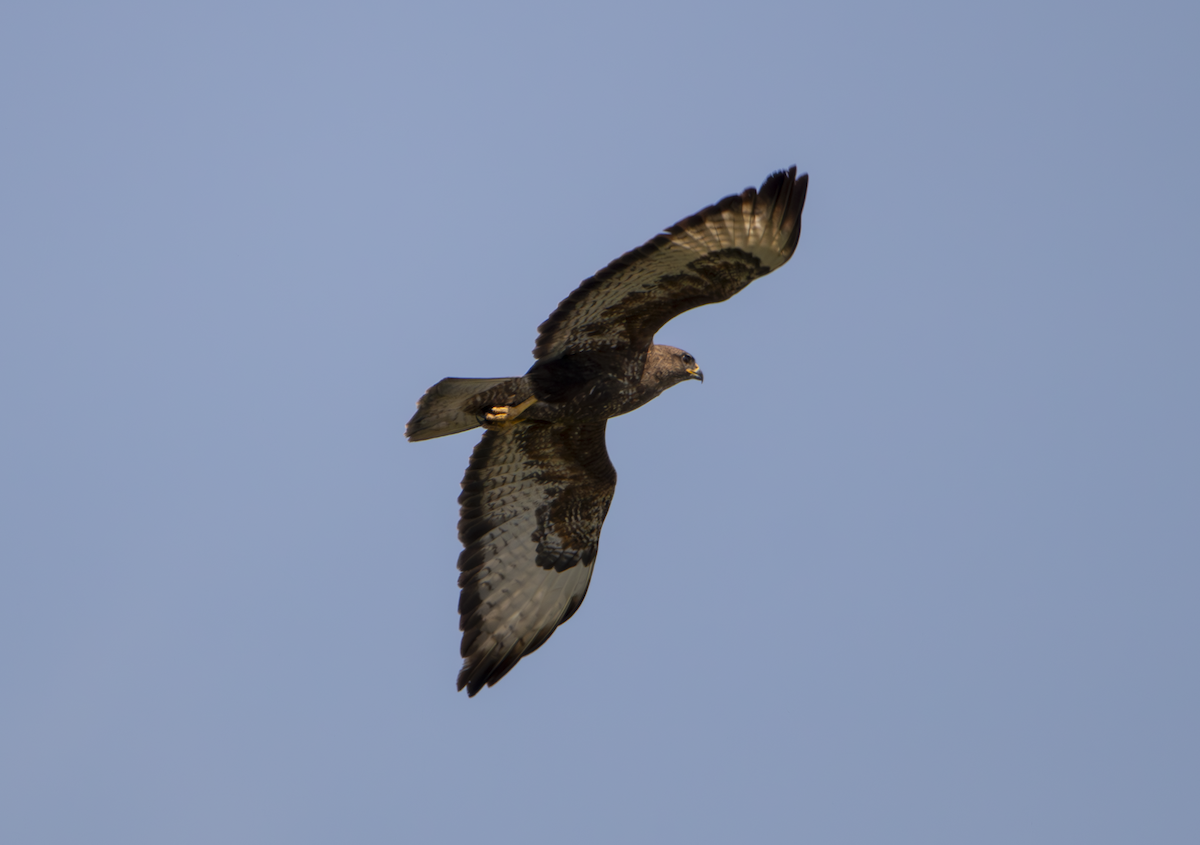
508 413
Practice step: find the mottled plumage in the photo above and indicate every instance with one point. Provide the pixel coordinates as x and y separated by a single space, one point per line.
540 482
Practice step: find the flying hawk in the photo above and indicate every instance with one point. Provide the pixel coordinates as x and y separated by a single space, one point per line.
539 484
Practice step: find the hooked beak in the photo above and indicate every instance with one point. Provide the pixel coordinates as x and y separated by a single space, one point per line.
694 372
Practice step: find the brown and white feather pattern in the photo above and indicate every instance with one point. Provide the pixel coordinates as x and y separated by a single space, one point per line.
538 488
705 258
533 502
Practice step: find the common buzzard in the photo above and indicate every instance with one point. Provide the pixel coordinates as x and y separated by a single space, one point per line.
539 484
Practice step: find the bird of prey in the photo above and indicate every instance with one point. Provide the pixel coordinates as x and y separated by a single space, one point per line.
539 483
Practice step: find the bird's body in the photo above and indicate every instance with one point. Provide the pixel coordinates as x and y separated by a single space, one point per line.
540 482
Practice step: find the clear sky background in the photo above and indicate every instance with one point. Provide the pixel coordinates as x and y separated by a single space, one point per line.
918 563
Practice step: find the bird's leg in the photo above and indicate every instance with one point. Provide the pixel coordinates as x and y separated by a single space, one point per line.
502 414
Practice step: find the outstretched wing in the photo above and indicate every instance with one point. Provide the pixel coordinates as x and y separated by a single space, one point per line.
706 258
533 502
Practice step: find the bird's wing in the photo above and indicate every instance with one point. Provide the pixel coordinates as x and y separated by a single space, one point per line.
534 499
706 258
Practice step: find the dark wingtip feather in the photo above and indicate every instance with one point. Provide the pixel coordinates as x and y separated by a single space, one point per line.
784 193
475 673
484 670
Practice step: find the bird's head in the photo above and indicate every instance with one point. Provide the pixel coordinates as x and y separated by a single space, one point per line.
670 366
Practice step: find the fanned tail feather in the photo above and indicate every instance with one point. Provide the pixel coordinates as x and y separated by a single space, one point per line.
453 404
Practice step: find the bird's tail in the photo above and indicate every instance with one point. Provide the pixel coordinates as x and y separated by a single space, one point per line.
454 404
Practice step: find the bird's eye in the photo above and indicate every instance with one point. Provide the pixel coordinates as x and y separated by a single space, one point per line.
689 360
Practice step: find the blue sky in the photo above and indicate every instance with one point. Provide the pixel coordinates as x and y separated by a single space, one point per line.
918 562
